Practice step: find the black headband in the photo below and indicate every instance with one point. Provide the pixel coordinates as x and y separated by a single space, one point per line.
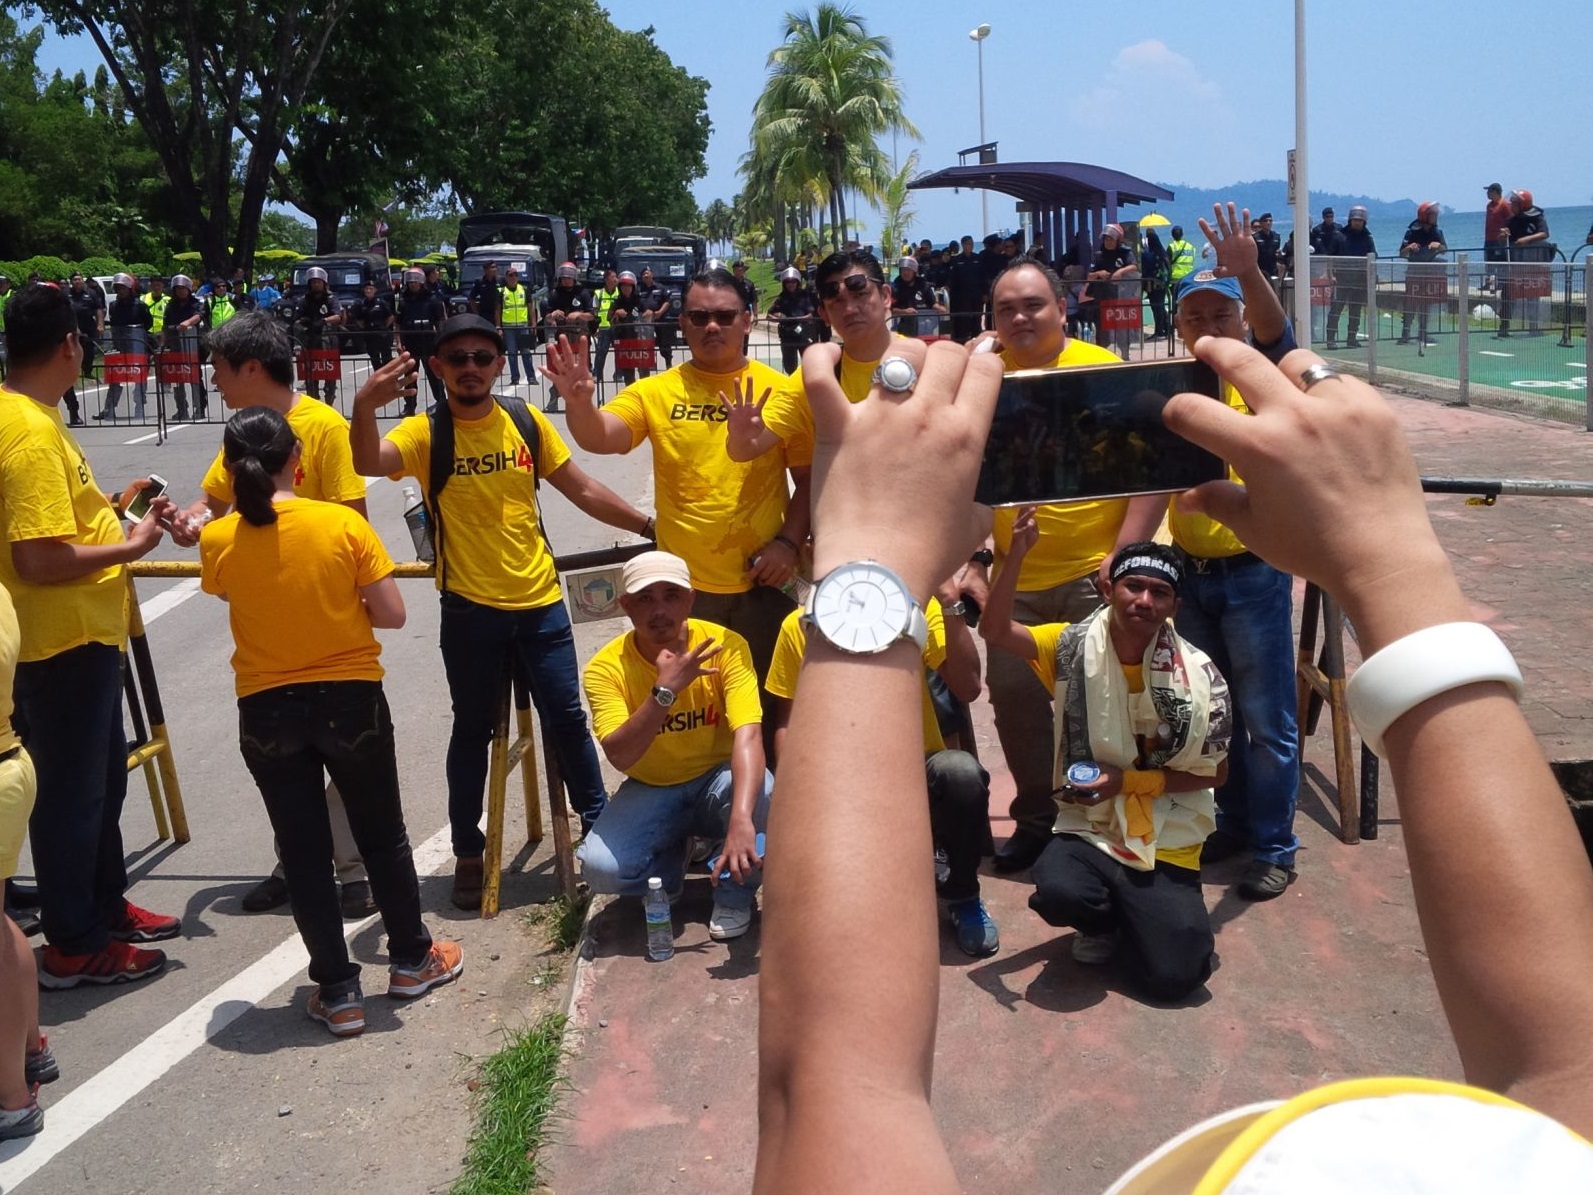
1143 565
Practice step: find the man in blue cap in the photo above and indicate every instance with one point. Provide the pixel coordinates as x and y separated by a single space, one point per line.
1234 606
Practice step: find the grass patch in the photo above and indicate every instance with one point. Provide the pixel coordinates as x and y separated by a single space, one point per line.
562 917
519 1090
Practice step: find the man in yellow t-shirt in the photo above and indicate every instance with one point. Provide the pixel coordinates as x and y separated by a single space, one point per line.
959 788
251 360
1061 579
500 599
675 705
64 568
1237 608
1148 713
737 525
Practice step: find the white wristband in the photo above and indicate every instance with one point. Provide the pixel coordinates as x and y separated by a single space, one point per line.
1420 666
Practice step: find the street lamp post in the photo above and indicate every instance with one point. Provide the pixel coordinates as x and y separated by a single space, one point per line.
978 36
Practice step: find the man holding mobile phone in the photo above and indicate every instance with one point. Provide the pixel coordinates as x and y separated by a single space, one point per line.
65 569
1061 580
1235 607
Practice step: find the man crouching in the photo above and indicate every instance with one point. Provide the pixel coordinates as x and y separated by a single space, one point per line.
675 707
1142 728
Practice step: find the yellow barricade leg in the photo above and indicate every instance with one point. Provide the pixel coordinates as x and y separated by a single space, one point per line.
497 783
528 775
162 781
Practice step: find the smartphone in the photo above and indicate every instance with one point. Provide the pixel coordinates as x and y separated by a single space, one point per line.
139 506
1068 435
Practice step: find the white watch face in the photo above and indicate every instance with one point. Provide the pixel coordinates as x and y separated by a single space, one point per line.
862 608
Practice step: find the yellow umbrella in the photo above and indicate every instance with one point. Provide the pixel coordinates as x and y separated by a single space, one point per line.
1154 220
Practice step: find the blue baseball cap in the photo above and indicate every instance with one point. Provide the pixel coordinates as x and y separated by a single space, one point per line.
1206 280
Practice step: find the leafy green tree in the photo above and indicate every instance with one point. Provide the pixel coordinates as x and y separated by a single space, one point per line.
897 207
719 222
830 93
215 88
279 230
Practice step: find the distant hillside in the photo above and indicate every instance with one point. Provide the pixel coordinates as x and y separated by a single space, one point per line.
1272 195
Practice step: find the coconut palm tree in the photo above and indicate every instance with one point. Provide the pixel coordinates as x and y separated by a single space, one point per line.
830 93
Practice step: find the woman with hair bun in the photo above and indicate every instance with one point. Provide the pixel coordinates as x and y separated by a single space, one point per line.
310 704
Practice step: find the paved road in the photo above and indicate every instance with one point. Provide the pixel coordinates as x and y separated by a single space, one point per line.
176 1084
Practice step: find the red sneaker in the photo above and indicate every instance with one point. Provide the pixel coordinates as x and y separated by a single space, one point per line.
117 963
140 925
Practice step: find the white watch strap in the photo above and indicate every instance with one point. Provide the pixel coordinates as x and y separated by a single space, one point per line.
917 627
1423 664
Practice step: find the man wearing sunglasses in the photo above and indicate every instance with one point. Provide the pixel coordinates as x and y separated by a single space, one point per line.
737 524
500 593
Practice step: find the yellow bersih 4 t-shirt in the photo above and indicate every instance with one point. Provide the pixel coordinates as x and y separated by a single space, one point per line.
1076 536
1200 534
48 491
789 649
700 729
712 512
493 545
292 590
326 466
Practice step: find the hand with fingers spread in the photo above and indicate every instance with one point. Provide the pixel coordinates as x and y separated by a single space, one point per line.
1316 466
396 379
894 474
569 369
677 669
744 425
740 854
1235 247
1025 534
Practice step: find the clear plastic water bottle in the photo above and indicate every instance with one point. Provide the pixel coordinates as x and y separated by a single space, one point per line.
419 524
660 922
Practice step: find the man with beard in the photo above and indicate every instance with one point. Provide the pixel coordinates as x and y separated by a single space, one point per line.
500 599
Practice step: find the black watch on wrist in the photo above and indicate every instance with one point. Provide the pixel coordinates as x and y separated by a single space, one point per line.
983 556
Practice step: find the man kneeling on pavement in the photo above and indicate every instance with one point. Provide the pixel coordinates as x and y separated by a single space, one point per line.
675 706
1142 728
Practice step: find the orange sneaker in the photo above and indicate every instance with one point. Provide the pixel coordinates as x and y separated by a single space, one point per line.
117 963
443 965
344 1016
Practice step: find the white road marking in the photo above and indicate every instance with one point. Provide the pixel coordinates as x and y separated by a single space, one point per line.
171 430
168 600
1491 353
105 1093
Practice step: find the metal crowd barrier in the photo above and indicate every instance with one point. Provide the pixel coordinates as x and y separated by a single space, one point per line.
1469 327
153 746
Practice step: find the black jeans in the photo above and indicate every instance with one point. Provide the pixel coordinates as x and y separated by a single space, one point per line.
291 738
1160 915
69 712
959 818
478 645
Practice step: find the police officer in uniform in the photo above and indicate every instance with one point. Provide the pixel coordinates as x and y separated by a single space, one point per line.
180 327
484 296
373 320
318 311
129 320
797 311
514 307
571 312
658 305
420 313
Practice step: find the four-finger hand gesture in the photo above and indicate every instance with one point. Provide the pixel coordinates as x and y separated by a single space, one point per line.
1231 239
396 379
568 369
676 670
1025 532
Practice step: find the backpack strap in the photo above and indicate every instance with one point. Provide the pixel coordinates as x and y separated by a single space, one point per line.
441 467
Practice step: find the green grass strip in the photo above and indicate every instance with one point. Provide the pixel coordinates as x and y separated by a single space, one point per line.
519 1090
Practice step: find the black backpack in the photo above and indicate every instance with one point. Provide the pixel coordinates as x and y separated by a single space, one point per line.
441 467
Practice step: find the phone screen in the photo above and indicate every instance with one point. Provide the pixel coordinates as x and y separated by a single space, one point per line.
139 506
1068 435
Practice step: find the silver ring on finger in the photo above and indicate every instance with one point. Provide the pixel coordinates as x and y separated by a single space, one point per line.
896 374
1312 374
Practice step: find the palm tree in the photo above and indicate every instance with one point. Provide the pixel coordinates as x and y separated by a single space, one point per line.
829 94
896 205
719 222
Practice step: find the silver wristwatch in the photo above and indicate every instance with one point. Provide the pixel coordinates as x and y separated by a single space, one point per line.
862 608
664 697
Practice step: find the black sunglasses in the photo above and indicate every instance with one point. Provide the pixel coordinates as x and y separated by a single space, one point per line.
857 284
724 318
481 358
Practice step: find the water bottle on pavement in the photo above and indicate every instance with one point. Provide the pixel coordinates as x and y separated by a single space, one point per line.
660 922
419 524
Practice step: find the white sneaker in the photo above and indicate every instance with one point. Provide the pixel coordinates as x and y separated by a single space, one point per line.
725 922
1094 949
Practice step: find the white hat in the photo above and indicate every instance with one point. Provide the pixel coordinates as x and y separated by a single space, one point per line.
652 567
908 263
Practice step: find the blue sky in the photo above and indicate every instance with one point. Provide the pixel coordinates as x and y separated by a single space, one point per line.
1429 101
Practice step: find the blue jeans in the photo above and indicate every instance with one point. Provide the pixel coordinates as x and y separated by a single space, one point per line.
1239 611
69 710
643 833
517 346
479 644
